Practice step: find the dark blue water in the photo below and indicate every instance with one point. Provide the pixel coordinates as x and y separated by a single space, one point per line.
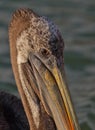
76 20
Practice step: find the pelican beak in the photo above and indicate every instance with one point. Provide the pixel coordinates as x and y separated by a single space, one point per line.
54 92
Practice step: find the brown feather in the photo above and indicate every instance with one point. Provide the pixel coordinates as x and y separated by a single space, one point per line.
19 23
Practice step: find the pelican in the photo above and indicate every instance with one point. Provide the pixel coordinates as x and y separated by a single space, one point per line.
36 48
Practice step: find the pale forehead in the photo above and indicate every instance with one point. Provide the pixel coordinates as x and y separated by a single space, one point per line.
44 28
40 32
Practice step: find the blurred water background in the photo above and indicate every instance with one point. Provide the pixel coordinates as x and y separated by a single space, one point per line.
76 20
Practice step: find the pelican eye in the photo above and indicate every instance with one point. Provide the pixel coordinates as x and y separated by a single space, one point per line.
44 52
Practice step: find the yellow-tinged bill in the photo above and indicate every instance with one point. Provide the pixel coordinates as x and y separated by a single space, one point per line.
54 94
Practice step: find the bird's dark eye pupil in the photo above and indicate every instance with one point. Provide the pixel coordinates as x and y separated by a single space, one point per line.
44 52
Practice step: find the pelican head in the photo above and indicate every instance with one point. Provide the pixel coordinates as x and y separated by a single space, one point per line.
38 64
